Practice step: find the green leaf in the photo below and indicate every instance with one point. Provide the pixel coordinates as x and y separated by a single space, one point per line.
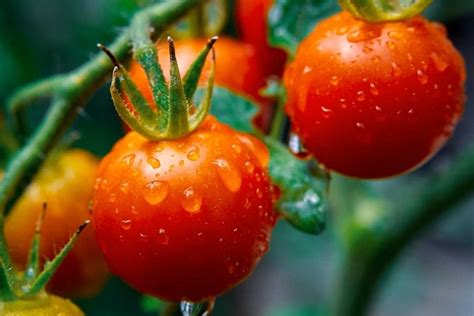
303 195
289 21
150 304
233 109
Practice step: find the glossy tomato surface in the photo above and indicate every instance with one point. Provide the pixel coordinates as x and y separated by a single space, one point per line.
45 305
252 22
186 218
237 66
65 183
375 100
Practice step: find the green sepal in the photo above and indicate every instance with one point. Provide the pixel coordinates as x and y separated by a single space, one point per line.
33 263
7 281
147 57
50 267
384 10
191 78
178 124
137 100
205 104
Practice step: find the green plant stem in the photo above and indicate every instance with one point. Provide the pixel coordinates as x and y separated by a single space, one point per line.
278 124
367 261
70 92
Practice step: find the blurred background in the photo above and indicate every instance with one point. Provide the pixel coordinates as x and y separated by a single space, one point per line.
435 274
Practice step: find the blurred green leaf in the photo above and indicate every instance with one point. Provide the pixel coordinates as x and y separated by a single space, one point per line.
233 109
291 20
150 304
303 195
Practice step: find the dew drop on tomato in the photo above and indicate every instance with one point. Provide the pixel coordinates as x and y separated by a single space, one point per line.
154 163
163 237
155 192
126 224
229 175
192 201
193 153
128 160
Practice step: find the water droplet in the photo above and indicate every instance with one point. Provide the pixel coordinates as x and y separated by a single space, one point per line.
360 125
376 59
296 146
373 89
342 30
390 44
422 77
409 56
97 183
396 71
367 49
154 163
181 163
334 80
360 96
192 200
163 238
237 148
365 34
395 35
193 153
124 185
228 174
307 70
128 160
247 203
112 197
133 209
159 148
249 166
326 111
235 230
143 236
126 224
155 192
259 193
104 183
440 62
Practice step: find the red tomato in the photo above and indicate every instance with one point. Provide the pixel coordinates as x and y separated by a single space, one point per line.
237 66
374 100
65 183
252 22
187 218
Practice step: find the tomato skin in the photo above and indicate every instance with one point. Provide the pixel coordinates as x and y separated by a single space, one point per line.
186 218
45 305
65 183
252 23
375 100
237 66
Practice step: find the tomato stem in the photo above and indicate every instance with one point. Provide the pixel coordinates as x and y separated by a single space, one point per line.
384 10
363 269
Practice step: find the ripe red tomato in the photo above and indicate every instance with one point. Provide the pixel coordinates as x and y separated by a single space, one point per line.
65 183
374 100
237 66
187 218
252 22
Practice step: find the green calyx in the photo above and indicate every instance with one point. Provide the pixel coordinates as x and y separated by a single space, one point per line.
174 114
31 282
384 10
